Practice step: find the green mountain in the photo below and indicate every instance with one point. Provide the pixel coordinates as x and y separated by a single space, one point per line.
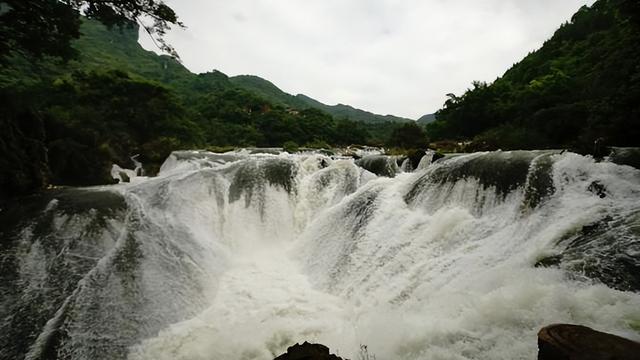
582 85
66 123
426 119
100 48
351 113
269 91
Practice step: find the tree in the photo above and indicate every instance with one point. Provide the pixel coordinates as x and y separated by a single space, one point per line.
314 125
409 136
350 132
47 27
630 8
95 119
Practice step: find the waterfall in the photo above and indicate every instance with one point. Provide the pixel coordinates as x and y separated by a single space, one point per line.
239 255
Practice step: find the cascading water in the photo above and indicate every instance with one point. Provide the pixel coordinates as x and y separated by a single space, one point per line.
239 255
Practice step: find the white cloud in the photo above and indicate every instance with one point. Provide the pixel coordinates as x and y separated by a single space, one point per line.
385 56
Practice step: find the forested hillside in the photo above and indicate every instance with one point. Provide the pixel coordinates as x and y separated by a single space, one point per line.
269 91
378 128
66 122
581 86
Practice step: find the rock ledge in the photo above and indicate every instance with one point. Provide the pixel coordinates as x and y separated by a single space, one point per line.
576 342
308 351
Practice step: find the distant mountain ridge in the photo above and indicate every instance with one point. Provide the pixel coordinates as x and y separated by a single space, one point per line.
100 48
271 92
426 119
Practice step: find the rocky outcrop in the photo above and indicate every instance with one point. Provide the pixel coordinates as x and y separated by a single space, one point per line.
625 156
308 351
381 165
414 157
575 342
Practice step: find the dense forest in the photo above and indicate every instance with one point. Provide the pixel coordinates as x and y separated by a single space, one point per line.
67 121
582 87
269 91
70 112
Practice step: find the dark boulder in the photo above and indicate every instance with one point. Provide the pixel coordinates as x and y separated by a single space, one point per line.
415 156
437 156
598 189
381 165
576 342
308 351
124 176
625 156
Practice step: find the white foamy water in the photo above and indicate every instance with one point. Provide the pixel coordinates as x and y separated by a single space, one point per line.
263 304
241 255
449 277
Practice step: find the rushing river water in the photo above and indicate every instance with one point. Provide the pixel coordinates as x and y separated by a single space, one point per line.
239 255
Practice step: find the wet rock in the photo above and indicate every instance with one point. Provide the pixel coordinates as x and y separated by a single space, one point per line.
504 171
539 184
437 156
576 342
415 156
381 165
605 250
308 351
70 230
598 189
124 176
625 156
553 260
252 175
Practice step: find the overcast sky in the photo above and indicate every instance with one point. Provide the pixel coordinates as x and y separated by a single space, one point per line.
395 57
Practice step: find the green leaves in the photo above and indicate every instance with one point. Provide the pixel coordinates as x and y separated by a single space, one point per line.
409 136
40 28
